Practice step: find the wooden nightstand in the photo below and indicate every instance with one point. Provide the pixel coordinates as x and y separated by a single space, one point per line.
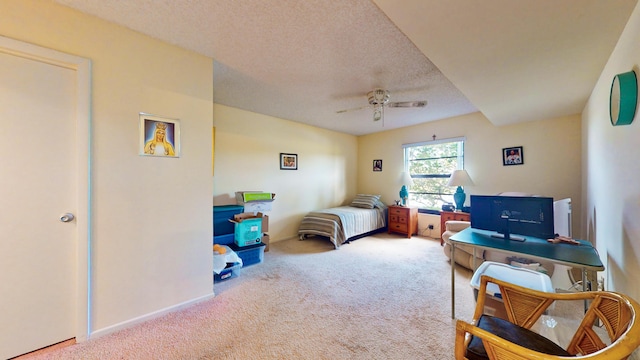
403 220
451 215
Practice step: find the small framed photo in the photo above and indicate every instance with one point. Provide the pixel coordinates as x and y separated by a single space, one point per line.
159 136
512 156
288 161
377 165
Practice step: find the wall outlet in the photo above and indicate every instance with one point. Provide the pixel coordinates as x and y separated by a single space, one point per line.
430 227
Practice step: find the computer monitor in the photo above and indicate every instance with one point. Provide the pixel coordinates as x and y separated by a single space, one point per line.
513 217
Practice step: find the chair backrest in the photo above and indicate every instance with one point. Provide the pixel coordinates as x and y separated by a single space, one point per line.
615 312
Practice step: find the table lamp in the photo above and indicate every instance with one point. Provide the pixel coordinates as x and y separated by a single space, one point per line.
459 178
405 181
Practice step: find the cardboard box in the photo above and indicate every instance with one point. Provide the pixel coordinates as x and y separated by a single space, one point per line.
254 201
251 215
258 206
265 241
245 215
248 229
248 232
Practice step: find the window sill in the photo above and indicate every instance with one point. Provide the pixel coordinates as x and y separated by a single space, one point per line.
429 211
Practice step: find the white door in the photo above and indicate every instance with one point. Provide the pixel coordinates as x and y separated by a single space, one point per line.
38 184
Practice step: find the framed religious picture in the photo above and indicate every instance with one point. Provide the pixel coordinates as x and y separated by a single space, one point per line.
377 165
512 156
159 136
288 161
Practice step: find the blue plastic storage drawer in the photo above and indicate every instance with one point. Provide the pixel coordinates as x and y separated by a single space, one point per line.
221 216
231 271
226 239
250 255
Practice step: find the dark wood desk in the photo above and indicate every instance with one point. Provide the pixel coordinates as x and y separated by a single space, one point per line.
583 256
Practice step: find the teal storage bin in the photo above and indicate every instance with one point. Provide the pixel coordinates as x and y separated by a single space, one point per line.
248 232
221 216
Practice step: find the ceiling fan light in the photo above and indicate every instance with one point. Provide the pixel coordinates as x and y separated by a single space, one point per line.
377 113
378 97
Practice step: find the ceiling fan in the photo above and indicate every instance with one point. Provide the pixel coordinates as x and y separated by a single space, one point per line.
379 99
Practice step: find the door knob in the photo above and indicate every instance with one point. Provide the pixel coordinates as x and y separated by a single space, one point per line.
67 217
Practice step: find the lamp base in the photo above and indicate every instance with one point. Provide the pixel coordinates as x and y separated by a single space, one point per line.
404 194
459 197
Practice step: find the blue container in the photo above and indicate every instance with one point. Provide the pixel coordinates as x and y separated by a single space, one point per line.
226 239
250 255
231 271
221 216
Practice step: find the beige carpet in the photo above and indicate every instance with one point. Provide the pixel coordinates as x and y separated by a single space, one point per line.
379 297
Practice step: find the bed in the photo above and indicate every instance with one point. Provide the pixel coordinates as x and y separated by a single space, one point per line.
365 215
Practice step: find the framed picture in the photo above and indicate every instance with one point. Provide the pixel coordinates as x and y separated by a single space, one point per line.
512 156
377 165
159 136
288 161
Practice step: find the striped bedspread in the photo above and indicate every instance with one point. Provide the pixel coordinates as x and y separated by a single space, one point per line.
340 224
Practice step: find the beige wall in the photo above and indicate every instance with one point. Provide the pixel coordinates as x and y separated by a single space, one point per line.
610 173
151 235
247 152
151 239
551 151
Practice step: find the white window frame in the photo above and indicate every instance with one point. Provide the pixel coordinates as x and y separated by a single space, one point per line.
459 165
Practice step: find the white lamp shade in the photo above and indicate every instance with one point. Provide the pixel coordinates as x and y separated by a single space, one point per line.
405 179
460 178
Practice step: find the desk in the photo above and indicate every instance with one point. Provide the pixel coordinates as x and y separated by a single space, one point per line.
583 256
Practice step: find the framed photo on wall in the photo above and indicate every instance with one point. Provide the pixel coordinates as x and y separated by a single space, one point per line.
377 165
512 156
288 161
159 136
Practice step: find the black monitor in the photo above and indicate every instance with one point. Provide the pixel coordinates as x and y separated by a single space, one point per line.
513 217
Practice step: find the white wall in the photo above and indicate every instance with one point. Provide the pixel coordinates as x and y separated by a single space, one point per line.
611 170
551 151
151 235
247 153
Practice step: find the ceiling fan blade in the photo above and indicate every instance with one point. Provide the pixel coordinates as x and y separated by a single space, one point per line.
354 109
408 104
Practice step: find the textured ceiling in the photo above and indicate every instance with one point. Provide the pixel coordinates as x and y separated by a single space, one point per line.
305 60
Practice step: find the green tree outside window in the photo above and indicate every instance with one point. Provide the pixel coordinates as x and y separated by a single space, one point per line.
430 165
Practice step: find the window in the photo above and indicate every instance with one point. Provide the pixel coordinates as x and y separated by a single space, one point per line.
430 165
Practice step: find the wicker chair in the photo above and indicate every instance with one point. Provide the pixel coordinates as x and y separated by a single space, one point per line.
494 338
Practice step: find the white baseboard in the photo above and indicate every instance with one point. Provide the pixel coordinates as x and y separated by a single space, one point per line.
153 315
